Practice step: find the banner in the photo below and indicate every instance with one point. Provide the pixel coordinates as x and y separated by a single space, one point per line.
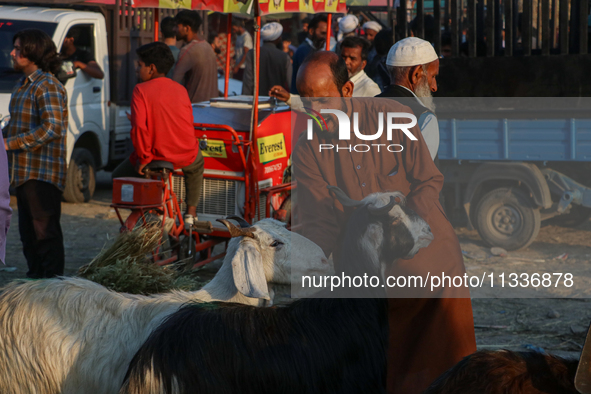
245 7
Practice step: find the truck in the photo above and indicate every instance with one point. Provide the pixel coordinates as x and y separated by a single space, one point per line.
98 128
514 118
508 168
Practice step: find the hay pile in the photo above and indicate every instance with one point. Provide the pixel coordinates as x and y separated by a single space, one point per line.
125 266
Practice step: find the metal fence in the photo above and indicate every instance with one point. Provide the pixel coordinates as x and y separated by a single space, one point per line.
498 27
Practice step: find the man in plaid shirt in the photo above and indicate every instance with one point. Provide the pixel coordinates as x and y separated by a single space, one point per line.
35 140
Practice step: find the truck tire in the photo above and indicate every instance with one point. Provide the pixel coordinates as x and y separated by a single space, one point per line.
577 216
81 177
506 217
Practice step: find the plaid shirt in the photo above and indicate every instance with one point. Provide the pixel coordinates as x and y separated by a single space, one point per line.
221 57
36 134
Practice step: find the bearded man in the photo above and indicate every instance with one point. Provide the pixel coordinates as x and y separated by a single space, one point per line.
413 65
427 335
317 32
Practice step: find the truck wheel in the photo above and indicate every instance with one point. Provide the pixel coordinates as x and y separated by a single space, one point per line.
506 218
81 177
578 215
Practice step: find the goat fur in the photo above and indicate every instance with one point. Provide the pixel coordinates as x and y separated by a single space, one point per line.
321 345
504 371
73 336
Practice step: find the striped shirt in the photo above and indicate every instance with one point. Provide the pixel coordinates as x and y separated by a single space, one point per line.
36 134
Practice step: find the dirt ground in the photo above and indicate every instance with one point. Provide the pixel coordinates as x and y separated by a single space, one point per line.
556 325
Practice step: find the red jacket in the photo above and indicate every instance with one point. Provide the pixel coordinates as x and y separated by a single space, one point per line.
162 123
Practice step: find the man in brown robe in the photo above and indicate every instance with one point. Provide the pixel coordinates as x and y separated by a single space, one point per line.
427 335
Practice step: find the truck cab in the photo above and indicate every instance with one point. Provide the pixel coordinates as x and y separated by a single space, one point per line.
93 123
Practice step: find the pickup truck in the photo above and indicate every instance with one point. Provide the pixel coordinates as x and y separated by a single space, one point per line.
98 128
509 168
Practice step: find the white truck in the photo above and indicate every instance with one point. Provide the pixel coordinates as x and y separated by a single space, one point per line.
98 128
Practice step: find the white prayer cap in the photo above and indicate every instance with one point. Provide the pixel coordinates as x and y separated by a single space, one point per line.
271 31
373 26
348 23
411 51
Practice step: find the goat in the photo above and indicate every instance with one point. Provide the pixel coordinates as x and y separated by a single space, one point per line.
504 371
73 336
321 345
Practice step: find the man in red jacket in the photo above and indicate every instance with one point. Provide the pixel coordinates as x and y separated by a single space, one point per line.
162 124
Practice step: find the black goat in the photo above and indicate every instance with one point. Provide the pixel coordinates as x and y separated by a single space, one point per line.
321 345
504 371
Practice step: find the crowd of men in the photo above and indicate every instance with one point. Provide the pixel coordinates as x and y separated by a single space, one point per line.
428 335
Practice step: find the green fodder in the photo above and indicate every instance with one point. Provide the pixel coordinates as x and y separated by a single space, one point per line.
125 266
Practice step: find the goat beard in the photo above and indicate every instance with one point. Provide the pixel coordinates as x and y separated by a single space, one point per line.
423 92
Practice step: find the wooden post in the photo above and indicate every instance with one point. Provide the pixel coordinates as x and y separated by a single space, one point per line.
583 14
472 29
455 30
437 17
526 27
563 27
205 26
402 19
490 28
545 27
421 18
508 27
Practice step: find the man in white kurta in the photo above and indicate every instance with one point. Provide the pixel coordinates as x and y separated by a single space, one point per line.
354 51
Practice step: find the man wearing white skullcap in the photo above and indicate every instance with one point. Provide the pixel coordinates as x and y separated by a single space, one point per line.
371 29
413 65
271 31
274 64
347 26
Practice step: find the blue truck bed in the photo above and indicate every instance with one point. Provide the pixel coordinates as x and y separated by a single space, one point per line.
515 139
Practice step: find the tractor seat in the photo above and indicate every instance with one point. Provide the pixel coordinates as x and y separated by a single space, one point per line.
159 165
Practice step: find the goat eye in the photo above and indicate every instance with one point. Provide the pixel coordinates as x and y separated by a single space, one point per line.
276 243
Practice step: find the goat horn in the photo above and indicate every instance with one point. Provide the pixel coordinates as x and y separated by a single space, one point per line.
241 221
343 198
382 210
237 232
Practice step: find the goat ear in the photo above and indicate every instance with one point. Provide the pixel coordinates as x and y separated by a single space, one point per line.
248 272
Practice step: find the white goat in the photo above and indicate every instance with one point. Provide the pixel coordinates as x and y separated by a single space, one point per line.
316 345
73 336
